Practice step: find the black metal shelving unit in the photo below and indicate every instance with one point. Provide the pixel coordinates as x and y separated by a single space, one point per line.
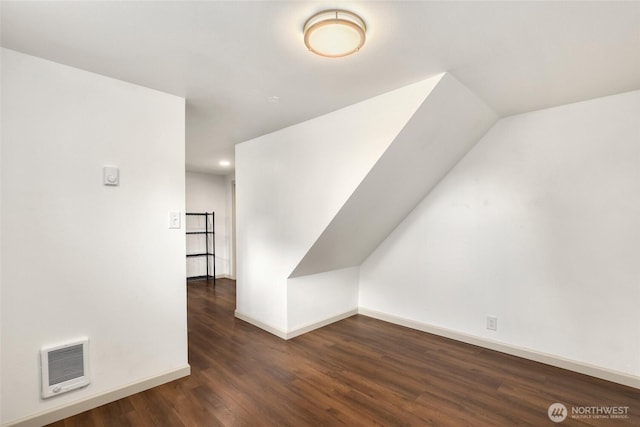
210 242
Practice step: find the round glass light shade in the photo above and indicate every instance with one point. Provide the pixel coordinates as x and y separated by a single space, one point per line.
334 33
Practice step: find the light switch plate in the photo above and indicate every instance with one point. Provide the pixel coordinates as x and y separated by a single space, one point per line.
174 219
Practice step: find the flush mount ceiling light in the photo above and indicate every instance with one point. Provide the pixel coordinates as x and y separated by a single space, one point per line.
334 33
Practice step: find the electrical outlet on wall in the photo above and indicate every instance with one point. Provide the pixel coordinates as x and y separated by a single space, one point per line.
492 323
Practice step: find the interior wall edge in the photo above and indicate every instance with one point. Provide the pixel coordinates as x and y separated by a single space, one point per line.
287 335
317 325
267 328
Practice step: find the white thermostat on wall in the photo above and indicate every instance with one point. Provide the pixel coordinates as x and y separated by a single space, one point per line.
110 175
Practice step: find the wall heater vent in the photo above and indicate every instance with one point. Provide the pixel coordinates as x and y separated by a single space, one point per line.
64 367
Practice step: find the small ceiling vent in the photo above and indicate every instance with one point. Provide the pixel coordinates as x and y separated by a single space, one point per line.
64 367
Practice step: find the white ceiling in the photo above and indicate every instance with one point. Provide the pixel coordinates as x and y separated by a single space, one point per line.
228 58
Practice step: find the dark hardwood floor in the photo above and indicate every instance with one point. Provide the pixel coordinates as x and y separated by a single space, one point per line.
357 372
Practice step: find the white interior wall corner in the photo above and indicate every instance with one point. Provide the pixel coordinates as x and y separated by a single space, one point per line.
315 298
449 121
292 182
230 182
538 225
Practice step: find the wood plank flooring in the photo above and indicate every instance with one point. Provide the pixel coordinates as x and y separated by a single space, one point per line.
357 372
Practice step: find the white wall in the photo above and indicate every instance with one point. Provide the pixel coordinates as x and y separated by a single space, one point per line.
317 298
206 193
291 183
539 225
80 258
440 132
230 185
0 227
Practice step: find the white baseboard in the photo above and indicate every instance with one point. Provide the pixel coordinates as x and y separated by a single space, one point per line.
74 408
316 325
525 353
299 331
275 331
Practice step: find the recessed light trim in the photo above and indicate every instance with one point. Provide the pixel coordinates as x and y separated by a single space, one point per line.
224 163
334 33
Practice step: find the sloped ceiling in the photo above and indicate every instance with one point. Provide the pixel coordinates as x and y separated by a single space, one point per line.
447 124
227 58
